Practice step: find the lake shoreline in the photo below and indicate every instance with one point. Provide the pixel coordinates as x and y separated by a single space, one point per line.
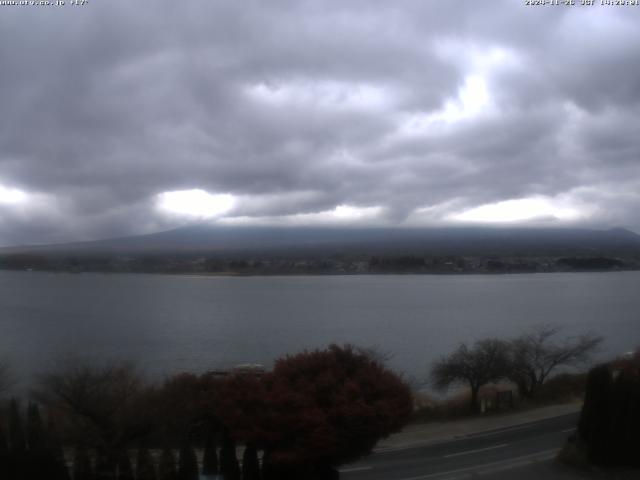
316 274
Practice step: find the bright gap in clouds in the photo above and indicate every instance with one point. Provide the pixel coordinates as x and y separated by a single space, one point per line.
473 98
534 208
323 94
348 212
10 196
195 203
340 215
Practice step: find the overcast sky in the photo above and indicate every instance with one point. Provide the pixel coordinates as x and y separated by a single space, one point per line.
123 117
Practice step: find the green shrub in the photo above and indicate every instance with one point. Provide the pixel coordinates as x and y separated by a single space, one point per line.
610 418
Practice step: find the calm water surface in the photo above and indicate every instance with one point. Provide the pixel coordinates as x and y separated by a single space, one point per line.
173 323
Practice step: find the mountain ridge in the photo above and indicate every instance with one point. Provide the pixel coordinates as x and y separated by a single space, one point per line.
203 239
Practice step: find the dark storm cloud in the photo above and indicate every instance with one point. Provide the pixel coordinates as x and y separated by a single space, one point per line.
296 108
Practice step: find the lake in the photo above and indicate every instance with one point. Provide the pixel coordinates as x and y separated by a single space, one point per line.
168 323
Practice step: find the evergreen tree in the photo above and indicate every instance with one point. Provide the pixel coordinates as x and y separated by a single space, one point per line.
633 423
622 444
167 468
18 442
187 464
229 467
105 467
5 460
210 457
250 463
36 438
55 453
267 471
59 470
125 472
145 470
18 464
39 459
594 423
82 468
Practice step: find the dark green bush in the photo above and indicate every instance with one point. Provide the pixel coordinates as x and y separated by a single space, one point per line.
187 464
610 419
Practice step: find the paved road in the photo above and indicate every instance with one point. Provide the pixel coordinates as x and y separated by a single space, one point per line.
522 452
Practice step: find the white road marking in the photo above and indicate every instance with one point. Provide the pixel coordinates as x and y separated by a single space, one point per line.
502 465
469 452
399 448
521 463
426 443
486 433
495 432
355 469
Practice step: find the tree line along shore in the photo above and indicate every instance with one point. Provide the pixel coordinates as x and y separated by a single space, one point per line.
332 265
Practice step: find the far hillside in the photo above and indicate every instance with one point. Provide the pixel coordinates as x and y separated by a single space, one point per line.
215 250
321 242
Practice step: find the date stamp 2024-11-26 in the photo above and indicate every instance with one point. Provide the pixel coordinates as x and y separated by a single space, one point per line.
44 3
583 3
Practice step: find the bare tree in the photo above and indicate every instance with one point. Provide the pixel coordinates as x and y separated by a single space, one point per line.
103 403
485 362
536 354
384 357
377 354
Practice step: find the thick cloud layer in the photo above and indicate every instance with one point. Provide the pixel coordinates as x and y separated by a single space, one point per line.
306 112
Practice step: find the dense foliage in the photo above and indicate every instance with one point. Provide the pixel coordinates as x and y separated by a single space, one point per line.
610 418
319 408
33 456
314 411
